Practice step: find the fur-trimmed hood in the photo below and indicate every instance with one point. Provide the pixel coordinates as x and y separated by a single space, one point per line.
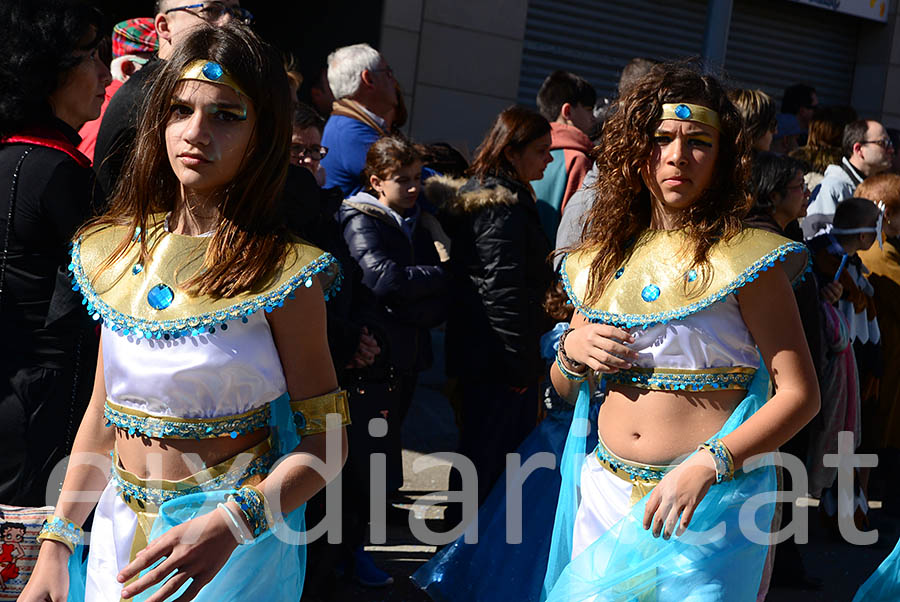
458 196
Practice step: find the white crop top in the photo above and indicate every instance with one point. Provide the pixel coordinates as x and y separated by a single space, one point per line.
206 376
715 337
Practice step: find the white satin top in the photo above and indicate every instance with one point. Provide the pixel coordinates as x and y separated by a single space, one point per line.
205 376
715 337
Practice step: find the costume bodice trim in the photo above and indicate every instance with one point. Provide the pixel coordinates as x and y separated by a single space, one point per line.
145 300
655 284
709 379
309 417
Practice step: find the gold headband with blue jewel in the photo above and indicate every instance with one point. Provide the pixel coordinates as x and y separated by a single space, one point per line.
683 111
212 72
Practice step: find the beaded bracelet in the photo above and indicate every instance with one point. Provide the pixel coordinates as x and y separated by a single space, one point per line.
576 366
569 374
724 460
63 530
253 504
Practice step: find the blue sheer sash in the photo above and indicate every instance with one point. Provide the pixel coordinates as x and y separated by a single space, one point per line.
273 567
628 563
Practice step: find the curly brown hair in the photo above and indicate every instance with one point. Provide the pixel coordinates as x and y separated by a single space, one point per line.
623 209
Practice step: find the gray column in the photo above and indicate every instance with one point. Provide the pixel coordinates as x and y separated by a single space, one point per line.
715 40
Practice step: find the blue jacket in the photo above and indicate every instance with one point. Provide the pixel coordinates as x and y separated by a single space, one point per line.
401 266
347 140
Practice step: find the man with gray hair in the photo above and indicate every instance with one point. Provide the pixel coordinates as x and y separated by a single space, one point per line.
366 94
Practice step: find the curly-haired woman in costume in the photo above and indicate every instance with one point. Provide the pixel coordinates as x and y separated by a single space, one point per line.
685 359
214 365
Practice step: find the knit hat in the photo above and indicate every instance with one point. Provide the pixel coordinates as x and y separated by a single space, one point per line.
134 35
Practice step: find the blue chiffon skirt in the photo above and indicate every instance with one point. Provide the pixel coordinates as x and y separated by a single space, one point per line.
493 569
628 564
271 568
884 584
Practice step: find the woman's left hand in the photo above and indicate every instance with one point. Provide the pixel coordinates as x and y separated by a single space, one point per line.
678 494
211 545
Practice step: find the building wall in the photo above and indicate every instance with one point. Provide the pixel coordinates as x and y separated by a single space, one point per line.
457 62
876 85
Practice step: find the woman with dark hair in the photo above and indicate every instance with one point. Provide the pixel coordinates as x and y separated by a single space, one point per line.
214 378
53 82
500 270
685 361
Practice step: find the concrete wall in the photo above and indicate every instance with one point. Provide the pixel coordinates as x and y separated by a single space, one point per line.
876 80
458 63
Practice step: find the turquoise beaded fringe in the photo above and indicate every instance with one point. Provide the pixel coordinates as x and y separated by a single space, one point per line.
253 506
646 320
685 382
226 426
232 479
125 325
69 531
160 427
644 474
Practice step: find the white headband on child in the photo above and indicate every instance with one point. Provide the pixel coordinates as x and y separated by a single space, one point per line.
876 229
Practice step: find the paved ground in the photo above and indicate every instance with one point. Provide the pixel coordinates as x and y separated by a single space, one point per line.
430 427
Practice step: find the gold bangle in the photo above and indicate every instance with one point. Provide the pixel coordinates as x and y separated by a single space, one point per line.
63 530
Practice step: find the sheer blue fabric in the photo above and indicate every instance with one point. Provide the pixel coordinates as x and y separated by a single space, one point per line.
273 567
715 561
884 584
493 569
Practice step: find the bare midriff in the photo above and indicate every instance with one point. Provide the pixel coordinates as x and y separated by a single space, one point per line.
150 458
659 427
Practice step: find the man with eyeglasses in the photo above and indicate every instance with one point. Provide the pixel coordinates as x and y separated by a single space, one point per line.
173 21
867 150
366 93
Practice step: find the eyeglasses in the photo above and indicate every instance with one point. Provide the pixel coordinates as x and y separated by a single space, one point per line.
801 186
314 151
213 11
884 143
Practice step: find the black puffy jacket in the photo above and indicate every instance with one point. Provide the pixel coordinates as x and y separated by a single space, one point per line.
501 273
405 274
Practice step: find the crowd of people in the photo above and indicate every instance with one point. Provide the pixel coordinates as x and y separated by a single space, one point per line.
221 281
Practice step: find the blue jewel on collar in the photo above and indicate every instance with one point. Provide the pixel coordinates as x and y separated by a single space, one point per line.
683 112
137 268
691 275
619 273
650 293
213 70
160 297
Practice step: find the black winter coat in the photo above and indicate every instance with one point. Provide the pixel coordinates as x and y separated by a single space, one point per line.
406 276
501 273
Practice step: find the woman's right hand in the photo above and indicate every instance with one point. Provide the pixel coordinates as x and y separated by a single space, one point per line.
49 582
601 347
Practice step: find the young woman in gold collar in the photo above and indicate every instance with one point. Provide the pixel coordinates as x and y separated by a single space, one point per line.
214 379
684 314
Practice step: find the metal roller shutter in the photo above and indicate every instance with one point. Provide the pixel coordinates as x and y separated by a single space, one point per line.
595 39
772 43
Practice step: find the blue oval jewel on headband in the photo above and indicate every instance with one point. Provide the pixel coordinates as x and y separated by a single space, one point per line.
692 275
650 293
619 273
683 112
160 297
213 71
137 268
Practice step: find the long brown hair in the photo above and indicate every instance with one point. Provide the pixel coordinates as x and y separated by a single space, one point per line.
622 210
514 128
250 240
